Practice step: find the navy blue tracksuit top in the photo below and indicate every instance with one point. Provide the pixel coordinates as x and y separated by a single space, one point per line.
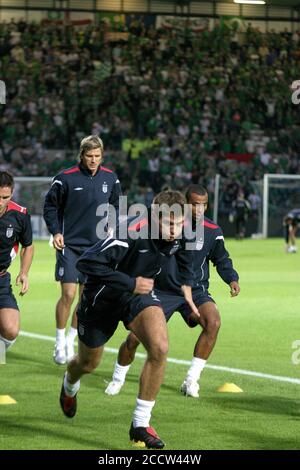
71 204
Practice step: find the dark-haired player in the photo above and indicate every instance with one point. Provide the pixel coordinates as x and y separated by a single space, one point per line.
209 250
15 228
119 287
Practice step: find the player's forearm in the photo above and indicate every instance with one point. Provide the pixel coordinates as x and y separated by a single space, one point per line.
26 256
106 275
54 203
185 264
187 293
51 219
227 272
118 280
187 280
187 290
224 265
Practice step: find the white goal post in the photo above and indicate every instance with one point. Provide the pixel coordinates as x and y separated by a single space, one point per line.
276 194
216 198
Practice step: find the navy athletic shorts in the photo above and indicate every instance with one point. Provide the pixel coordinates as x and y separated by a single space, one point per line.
7 298
99 315
172 303
65 269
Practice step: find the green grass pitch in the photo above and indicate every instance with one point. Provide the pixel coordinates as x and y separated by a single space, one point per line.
258 329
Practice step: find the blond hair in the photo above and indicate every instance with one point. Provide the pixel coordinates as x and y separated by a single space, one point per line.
90 143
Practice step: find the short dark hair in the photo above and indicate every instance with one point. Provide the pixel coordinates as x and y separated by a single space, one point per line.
197 189
6 180
170 197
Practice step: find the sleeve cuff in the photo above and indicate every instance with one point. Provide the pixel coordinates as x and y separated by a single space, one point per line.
131 284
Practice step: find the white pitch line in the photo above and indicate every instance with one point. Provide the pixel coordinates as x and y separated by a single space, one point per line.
279 378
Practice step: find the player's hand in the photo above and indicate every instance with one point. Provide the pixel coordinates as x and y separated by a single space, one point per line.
22 279
143 285
234 288
58 241
187 292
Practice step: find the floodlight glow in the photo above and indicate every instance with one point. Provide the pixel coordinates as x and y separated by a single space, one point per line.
250 2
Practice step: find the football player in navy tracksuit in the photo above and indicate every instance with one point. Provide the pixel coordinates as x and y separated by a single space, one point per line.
70 212
167 287
119 287
15 228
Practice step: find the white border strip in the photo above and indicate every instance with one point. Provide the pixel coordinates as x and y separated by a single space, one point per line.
172 360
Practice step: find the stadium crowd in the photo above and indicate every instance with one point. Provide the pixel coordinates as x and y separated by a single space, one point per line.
197 97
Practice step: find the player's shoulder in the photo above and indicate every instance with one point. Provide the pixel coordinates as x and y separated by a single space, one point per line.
70 171
109 173
14 207
210 225
131 228
137 224
65 174
213 228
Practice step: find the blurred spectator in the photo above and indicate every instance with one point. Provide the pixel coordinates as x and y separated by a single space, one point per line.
195 96
240 212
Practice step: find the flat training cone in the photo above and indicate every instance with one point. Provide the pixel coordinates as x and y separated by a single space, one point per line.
7 400
230 388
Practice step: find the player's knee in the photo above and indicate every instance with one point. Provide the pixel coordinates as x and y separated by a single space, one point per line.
159 350
213 325
89 365
10 333
68 296
132 343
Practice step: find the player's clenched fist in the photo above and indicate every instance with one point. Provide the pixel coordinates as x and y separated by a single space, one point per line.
143 285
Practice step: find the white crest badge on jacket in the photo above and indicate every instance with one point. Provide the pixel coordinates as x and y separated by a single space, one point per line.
199 244
104 187
174 248
9 232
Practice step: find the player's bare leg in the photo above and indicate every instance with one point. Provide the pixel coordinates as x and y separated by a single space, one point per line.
151 328
64 304
210 321
293 248
9 326
125 358
63 309
82 363
72 333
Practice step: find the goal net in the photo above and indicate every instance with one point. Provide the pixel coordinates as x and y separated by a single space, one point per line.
30 192
270 198
281 193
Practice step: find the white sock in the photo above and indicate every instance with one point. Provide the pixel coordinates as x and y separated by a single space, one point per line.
142 413
60 338
7 342
72 333
195 369
71 389
120 372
